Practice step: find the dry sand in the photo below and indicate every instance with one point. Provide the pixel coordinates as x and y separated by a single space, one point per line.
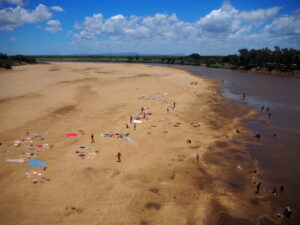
159 180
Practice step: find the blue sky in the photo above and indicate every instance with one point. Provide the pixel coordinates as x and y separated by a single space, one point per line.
212 27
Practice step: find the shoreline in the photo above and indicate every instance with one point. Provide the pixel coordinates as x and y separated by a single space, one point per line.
177 183
255 70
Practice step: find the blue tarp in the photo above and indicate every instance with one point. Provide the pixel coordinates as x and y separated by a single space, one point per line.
36 163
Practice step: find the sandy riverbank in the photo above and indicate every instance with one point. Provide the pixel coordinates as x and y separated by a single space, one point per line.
159 180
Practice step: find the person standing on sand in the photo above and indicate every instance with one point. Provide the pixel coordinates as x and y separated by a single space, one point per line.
130 119
134 126
168 110
258 187
119 156
262 109
174 105
244 96
142 110
92 138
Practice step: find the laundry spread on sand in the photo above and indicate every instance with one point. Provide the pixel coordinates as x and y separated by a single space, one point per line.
117 135
85 155
81 132
30 173
31 142
37 176
15 160
83 147
28 155
137 121
28 142
36 163
128 139
72 135
152 97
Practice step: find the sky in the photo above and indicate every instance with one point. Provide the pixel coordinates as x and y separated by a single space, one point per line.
167 27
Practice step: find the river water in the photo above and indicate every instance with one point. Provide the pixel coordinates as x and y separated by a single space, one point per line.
278 157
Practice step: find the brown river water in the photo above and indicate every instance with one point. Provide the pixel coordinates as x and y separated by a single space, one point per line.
278 157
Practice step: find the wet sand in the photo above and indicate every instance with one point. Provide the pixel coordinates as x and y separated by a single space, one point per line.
158 181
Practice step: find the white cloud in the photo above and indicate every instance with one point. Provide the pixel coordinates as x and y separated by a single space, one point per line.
54 26
57 8
12 39
53 29
53 23
285 27
10 18
12 2
159 25
85 35
227 21
222 30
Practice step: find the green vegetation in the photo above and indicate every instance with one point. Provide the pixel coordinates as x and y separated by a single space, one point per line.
285 60
8 62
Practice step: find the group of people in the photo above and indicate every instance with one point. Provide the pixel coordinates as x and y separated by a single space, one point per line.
262 109
174 107
118 156
268 112
287 212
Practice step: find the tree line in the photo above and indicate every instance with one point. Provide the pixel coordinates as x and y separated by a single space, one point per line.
8 61
282 59
279 59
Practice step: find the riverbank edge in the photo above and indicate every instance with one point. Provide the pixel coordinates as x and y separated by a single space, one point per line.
295 74
259 206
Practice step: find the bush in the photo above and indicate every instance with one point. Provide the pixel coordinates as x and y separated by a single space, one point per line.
8 65
8 61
